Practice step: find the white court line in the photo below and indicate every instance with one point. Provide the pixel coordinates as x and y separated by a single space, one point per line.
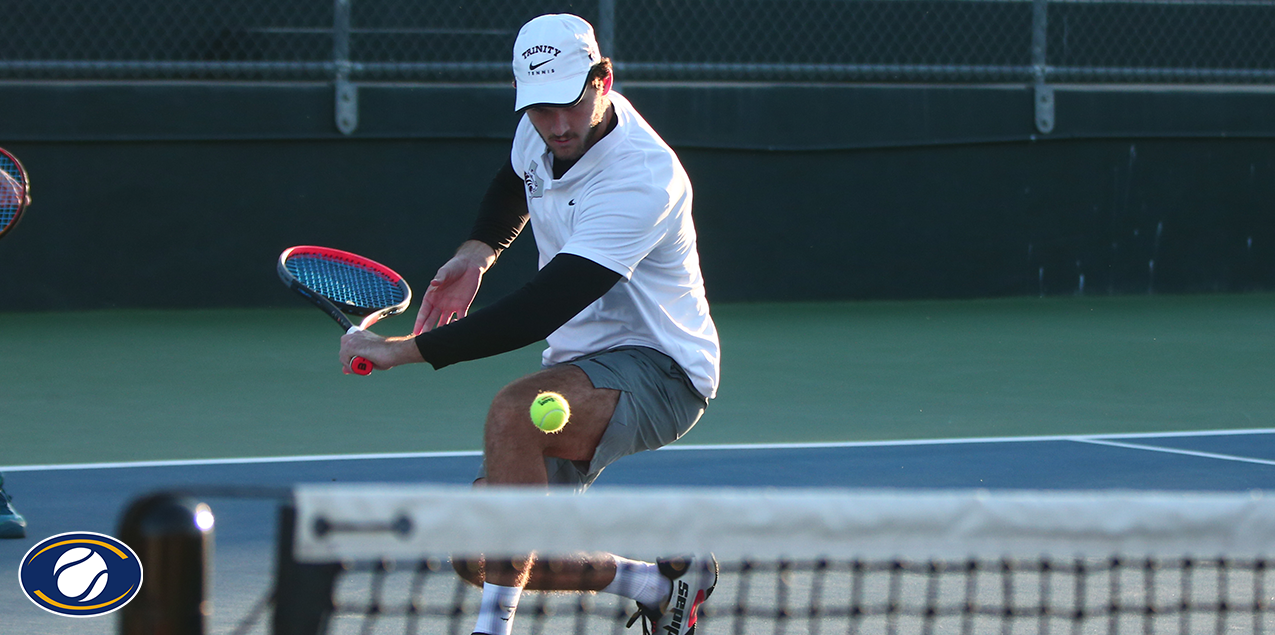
1153 448
1029 439
1103 439
238 461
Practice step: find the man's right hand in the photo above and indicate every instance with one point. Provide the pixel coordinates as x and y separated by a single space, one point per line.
454 287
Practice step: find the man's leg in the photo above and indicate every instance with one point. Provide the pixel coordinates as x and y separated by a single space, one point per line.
580 572
514 454
668 592
515 449
654 404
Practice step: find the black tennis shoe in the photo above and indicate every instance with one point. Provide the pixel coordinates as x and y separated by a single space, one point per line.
693 578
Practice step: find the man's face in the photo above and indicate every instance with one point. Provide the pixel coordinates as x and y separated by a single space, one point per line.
569 131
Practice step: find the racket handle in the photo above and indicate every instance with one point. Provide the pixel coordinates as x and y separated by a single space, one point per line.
359 365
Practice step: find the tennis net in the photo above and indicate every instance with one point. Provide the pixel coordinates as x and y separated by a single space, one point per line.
375 559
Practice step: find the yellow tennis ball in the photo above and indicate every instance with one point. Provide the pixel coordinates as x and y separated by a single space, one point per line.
550 411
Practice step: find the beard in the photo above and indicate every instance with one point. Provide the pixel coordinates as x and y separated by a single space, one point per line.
574 146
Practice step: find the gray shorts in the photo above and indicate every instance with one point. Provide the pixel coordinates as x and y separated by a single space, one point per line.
658 404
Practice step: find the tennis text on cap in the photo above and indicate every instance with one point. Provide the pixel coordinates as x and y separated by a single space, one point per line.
541 48
553 52
80 574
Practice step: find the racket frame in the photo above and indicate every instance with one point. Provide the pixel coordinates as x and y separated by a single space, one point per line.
25 199
337 309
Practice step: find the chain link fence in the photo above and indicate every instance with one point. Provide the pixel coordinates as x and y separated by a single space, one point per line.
1182 41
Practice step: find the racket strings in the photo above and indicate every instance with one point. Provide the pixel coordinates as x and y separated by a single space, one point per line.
12 190
345 282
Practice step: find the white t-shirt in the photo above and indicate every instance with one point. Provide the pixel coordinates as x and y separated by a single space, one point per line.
625 205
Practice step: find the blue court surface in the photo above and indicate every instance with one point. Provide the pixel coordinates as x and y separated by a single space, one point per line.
59 499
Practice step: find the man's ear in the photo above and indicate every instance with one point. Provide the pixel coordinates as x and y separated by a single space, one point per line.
606 83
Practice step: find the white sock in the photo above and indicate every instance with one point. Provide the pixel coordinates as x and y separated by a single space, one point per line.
639 581
496 611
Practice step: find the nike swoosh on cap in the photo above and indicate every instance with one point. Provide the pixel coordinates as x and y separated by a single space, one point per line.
535 66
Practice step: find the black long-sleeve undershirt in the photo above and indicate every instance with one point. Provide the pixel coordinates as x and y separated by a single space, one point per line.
503 211
563 288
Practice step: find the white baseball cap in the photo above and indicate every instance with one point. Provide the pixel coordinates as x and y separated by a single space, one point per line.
552 58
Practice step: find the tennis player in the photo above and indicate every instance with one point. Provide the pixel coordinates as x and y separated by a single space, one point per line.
619 296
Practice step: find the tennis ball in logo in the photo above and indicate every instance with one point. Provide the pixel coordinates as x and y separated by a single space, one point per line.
81 574
550 411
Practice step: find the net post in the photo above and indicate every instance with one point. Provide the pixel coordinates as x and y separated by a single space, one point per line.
303 592
172 535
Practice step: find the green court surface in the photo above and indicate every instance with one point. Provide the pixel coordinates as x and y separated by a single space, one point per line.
113 386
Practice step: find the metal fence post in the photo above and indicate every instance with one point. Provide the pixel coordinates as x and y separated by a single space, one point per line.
1043 93
347 94
606 27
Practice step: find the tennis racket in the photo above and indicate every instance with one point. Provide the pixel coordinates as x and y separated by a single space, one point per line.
15 191
340 282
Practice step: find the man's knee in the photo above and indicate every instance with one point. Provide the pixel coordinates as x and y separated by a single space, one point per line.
476 570
509 414
509 427
469 569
